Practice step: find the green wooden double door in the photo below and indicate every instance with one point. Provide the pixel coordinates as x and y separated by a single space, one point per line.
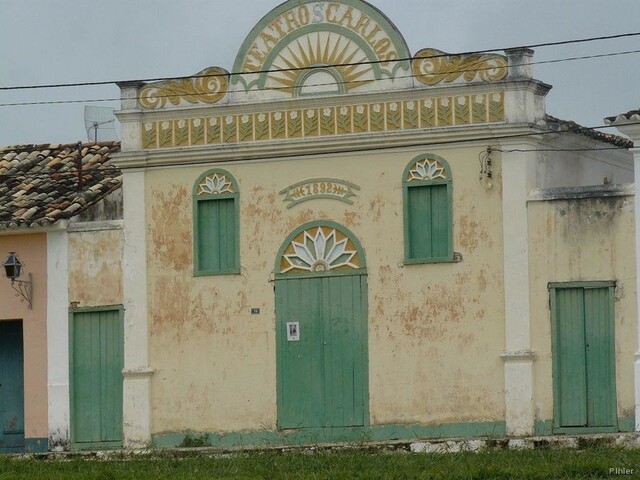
584 357
97 359
11 386
322 352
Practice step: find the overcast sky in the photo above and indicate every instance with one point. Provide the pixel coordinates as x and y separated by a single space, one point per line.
64 41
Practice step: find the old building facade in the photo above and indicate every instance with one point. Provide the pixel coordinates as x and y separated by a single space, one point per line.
338 241
347 241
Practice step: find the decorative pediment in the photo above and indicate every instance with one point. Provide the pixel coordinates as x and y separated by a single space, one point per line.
349 43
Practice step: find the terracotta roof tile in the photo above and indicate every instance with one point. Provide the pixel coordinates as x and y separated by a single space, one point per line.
39 183
566 125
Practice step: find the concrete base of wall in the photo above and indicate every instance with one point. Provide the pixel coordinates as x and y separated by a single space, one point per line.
619 440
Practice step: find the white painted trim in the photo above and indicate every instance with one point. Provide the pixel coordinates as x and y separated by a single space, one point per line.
138 372
58 339
96 226
518 356
136 406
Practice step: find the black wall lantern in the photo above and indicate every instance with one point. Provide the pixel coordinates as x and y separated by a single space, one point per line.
13 270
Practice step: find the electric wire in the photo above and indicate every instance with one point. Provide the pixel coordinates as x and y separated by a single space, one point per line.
312 67
335 83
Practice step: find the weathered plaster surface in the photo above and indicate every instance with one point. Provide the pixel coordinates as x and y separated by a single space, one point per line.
583 240
95 268
435 330
32 251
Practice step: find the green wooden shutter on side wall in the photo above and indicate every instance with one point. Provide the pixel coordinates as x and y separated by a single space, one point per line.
428 221
217 232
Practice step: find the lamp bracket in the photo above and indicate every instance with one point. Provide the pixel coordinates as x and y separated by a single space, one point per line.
24 289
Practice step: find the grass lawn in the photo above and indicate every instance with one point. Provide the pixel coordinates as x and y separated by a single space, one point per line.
337 465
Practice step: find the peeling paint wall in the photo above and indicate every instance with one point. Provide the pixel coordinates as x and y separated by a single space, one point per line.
32 252
95 267
583 240
435 330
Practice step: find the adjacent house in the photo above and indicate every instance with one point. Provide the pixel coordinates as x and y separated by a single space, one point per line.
61 219
344 241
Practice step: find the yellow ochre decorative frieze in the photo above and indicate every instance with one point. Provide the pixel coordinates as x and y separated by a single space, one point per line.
390 116
432 67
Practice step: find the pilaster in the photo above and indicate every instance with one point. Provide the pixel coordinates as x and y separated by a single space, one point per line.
629 125
517 177
137 374
58 339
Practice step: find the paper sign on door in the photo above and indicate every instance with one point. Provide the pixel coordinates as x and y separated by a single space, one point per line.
293 331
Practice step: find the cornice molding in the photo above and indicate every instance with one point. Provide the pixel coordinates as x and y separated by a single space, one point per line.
453 137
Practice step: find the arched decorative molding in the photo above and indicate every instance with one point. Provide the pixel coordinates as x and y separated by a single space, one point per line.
215 182
308 33
432 67
320 248
427 168
208 86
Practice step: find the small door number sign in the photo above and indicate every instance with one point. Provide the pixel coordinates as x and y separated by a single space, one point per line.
293 331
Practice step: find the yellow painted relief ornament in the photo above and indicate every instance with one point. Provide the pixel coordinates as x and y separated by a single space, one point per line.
427 169
208 86
320 249
432 67
215 184
317 188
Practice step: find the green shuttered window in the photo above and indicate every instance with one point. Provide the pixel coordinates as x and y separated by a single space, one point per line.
428 229
216 239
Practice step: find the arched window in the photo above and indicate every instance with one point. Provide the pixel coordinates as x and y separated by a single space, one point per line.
216 239
428 216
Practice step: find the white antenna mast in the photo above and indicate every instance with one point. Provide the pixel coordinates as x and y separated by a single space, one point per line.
99 123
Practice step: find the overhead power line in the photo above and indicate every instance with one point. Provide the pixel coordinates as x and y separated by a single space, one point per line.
312 67
335 83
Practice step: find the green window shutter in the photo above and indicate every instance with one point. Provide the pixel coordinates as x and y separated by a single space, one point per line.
217 235
428 222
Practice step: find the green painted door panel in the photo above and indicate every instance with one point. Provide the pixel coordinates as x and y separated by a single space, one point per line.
600 357
300 363
584 358
11 386
572 374
97 362
321 377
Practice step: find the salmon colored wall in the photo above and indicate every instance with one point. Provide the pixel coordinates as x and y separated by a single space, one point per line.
32 252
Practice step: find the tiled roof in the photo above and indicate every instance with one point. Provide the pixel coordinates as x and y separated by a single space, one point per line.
567 126
633 115
39 183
